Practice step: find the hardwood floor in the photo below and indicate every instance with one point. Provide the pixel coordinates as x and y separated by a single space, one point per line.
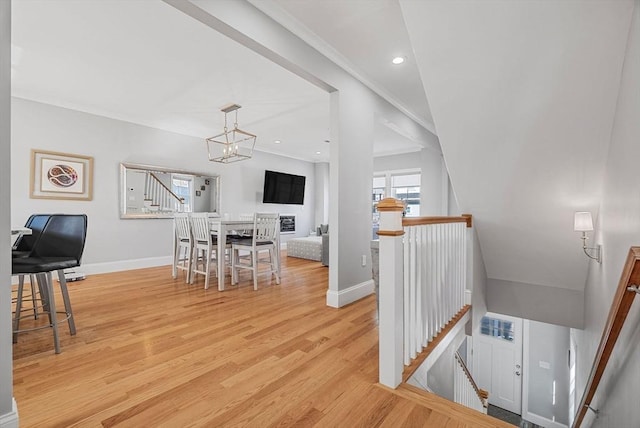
155 352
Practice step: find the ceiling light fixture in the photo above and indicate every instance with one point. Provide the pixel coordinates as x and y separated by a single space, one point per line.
231 145
318 153
277 141
398 60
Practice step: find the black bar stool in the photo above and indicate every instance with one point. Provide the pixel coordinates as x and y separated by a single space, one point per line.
22 248
60 246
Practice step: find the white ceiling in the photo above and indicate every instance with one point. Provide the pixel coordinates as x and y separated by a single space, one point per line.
160 68
362 36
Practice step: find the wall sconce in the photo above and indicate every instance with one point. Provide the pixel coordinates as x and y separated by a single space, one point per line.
583 222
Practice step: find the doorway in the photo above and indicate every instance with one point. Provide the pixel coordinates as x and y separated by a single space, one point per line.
497 360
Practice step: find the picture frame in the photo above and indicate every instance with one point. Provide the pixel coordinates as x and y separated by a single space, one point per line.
198 193
57 175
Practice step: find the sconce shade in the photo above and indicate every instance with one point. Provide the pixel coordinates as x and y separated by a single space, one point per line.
583 222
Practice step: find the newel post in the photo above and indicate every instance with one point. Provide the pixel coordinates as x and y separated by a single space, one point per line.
390 322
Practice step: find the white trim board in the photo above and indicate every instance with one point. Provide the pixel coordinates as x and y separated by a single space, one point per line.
340 298
10 420
444 343
117 266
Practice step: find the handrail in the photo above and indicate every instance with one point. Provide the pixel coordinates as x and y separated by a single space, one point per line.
481 393
419 221
178 198
626 292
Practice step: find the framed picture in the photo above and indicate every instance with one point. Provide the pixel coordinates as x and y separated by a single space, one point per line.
198 193
203 187
57 175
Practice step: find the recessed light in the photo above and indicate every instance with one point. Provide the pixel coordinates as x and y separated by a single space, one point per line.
277 141
317 153
398 60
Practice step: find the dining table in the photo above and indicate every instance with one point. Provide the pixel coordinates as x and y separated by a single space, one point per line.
221 228
17 232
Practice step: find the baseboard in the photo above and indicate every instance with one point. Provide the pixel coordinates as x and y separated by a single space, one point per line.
542 421
338 299
118 266
10 420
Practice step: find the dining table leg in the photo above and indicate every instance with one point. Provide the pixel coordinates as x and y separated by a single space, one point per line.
220 255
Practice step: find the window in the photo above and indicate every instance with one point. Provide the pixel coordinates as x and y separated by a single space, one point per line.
378 194
406 187
500 329
182 188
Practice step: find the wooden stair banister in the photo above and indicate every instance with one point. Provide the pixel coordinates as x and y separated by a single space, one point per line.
620 306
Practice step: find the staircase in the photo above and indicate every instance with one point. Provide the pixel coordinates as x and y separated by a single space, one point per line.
442 411
424 305
158 198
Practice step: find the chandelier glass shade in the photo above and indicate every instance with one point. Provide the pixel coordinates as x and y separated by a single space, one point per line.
232 145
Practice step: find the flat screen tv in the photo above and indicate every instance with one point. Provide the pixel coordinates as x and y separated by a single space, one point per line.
281 188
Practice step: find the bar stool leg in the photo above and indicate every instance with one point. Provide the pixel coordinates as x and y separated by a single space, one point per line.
34 300
16 317
67 302
41 281
52 311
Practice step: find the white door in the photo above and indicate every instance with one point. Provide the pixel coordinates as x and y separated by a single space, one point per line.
497 360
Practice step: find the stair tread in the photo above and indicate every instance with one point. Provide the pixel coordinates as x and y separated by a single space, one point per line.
442 405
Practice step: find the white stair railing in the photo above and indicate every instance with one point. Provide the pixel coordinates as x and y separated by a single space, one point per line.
158 197
434 281
423 277
465 390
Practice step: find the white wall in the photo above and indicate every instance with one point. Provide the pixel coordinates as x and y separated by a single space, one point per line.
398 162
478 286
440 375
546 373
453 208
536 302
6 366
618 228
111 240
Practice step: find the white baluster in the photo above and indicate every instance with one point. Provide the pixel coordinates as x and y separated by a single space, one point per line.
406 305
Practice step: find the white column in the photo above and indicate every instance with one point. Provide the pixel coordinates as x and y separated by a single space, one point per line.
391 293
8 411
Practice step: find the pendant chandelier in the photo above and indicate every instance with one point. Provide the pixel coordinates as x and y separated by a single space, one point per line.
232 145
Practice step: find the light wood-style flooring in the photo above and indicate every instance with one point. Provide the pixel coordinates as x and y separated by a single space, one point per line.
152 351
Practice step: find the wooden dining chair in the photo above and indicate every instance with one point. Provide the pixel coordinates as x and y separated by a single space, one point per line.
183 246
265 238
204 248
